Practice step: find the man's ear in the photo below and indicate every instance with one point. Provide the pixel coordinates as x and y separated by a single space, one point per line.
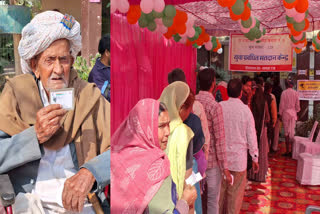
107 53
34 65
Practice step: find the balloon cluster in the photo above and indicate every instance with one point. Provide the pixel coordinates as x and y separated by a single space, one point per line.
240 10
297 22
316 42
166 19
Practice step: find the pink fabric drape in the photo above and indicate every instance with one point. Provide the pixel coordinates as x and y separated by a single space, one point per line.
140 63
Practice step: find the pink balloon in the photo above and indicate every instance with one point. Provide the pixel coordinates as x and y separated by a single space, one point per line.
190 21
253 23
298 37
146 6
183 40
123 6
158 21
191 32
291 12
208 45
317 40
158 5
299 17
244 30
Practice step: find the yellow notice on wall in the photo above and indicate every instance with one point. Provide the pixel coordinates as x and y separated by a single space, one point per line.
309 89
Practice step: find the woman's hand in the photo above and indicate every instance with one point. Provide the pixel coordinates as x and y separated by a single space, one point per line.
189 194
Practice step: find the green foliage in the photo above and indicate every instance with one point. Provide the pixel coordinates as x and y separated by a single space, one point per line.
304 128
81 66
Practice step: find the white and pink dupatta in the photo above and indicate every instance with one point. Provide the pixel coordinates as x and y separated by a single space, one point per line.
138 165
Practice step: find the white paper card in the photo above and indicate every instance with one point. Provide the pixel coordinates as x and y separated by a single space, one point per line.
64 97
194 178
232 179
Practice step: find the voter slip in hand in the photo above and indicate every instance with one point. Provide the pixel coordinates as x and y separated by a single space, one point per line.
64 97
194 178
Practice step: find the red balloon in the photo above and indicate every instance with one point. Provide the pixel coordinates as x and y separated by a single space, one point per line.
302 6
233 16
289 5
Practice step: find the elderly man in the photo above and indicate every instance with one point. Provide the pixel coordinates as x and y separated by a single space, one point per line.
289 107
54 154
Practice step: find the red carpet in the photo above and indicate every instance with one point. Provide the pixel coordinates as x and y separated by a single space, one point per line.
281 193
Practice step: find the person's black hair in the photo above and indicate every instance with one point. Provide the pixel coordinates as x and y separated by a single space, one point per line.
245 79
259 80
206 77
234 88
176 75
162 108
267 87
104 44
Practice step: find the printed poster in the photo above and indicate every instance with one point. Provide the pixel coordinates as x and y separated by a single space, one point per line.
273 53
309 89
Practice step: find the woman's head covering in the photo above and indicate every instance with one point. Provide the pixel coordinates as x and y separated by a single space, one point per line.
43 30
138 165
174 96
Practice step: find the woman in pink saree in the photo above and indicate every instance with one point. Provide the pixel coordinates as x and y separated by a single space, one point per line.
140 170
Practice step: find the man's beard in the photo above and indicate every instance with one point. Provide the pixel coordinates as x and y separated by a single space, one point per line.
53 77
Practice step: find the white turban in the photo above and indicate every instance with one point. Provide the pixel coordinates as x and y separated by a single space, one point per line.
44 29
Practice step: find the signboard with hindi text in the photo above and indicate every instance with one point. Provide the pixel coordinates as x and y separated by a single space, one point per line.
309 89
272 53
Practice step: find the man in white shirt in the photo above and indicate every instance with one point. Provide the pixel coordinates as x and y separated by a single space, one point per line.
289 106
240 136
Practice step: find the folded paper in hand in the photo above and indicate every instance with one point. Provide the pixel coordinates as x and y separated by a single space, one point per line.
194 178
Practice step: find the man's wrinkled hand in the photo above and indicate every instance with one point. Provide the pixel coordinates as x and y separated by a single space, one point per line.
227 174
48 121
76 189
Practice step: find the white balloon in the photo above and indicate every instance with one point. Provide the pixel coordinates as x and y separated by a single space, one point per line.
123 6
220 51
113 7
158 5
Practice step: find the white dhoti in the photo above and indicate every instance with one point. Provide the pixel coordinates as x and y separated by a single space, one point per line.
289 119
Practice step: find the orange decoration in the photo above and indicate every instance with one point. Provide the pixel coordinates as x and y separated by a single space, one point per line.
181 17
314 45
181 29
226 3
203 30
307 25
246 13
288 5
233 16
206 37
188 43
133 14
246 2
168 35
302 41
199 42
302 6
298 50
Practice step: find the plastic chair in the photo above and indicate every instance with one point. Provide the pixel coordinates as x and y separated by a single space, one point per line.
296 147
311 209
311 147
308 169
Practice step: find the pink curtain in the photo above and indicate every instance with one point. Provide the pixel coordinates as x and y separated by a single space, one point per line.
140 63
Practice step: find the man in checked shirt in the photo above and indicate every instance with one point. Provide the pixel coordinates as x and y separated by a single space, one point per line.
217 161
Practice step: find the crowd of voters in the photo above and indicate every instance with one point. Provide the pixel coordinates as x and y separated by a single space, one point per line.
225 132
